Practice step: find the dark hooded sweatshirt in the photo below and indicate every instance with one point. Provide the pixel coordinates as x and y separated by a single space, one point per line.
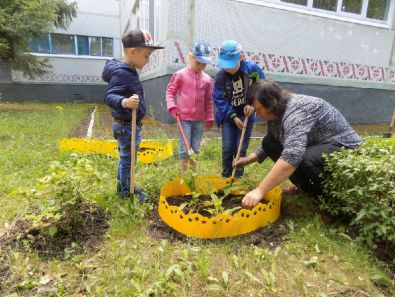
123 81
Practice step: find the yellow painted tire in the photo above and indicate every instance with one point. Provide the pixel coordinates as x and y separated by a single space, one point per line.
223 225
150 151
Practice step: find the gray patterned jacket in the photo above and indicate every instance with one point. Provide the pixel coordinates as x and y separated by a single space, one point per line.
309 121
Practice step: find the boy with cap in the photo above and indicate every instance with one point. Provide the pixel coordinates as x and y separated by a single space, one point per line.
124 93
230 97
188 96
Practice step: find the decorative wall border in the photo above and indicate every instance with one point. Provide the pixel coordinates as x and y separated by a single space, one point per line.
273 63
59 78
176 53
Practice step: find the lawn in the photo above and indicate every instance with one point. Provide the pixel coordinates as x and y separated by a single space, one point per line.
129 253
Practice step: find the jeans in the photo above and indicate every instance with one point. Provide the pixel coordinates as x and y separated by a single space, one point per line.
123 136
193 133
308 174
230 142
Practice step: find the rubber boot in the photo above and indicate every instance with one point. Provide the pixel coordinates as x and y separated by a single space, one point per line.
183 165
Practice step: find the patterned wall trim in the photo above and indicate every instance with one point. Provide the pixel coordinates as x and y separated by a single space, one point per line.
60 78
305 66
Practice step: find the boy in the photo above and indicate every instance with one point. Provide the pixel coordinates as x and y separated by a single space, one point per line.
124 93
229 95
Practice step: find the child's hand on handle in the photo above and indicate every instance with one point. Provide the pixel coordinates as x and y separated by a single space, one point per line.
239 123
248 110
132 102
174 111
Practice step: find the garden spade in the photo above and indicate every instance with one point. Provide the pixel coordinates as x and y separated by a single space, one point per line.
388 134
240 144
189 149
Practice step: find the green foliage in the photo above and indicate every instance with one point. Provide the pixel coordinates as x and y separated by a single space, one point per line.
361 185
20 20
215 206
60 195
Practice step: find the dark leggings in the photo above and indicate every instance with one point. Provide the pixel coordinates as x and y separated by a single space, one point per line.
307 175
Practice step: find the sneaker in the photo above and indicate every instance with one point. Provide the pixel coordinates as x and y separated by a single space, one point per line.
291 190
141 195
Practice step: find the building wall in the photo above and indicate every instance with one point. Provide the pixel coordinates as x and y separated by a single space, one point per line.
73 78
359 106
290 46
349 64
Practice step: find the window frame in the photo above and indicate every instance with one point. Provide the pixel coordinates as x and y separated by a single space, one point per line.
75 45
351 17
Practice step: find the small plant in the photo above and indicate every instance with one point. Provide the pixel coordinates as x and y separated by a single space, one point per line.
215 206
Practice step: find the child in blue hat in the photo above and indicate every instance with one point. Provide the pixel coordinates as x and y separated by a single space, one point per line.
188 97
230 96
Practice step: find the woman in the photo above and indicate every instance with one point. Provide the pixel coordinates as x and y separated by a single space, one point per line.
300 130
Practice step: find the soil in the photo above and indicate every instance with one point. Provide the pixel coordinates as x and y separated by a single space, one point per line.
4 267
229 202
81 129
71 240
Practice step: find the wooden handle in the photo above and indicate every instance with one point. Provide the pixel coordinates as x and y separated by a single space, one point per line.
183 135
240 144
133 151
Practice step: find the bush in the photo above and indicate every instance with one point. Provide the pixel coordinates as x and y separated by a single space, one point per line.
361 185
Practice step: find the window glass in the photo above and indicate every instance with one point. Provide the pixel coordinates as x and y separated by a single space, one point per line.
300 2
325 4
83 45
95 46
107 47
352 6
62 44
378 9
40 44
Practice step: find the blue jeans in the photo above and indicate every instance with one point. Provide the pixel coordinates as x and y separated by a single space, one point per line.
230 142
122 134
193 133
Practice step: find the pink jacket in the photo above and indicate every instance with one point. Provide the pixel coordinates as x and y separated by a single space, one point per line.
194 90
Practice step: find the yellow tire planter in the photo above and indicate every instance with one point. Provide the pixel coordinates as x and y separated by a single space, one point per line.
223 225
151 151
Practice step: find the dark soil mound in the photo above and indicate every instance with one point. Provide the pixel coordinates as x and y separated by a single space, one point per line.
71 237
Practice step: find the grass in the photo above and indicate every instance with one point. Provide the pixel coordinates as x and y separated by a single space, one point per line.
312 260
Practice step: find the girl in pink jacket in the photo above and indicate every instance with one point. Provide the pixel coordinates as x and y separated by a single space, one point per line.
188 96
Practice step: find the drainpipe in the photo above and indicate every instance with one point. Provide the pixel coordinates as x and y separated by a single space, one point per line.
391 62
191 22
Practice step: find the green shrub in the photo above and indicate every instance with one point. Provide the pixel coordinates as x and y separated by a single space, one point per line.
361 185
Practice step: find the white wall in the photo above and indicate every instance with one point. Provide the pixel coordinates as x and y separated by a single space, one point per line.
94 18
290 46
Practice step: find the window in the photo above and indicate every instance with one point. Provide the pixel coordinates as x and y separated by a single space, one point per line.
300 2
376 10
40 44
83 45
107 46
95 46
352 6
330 5
64 44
